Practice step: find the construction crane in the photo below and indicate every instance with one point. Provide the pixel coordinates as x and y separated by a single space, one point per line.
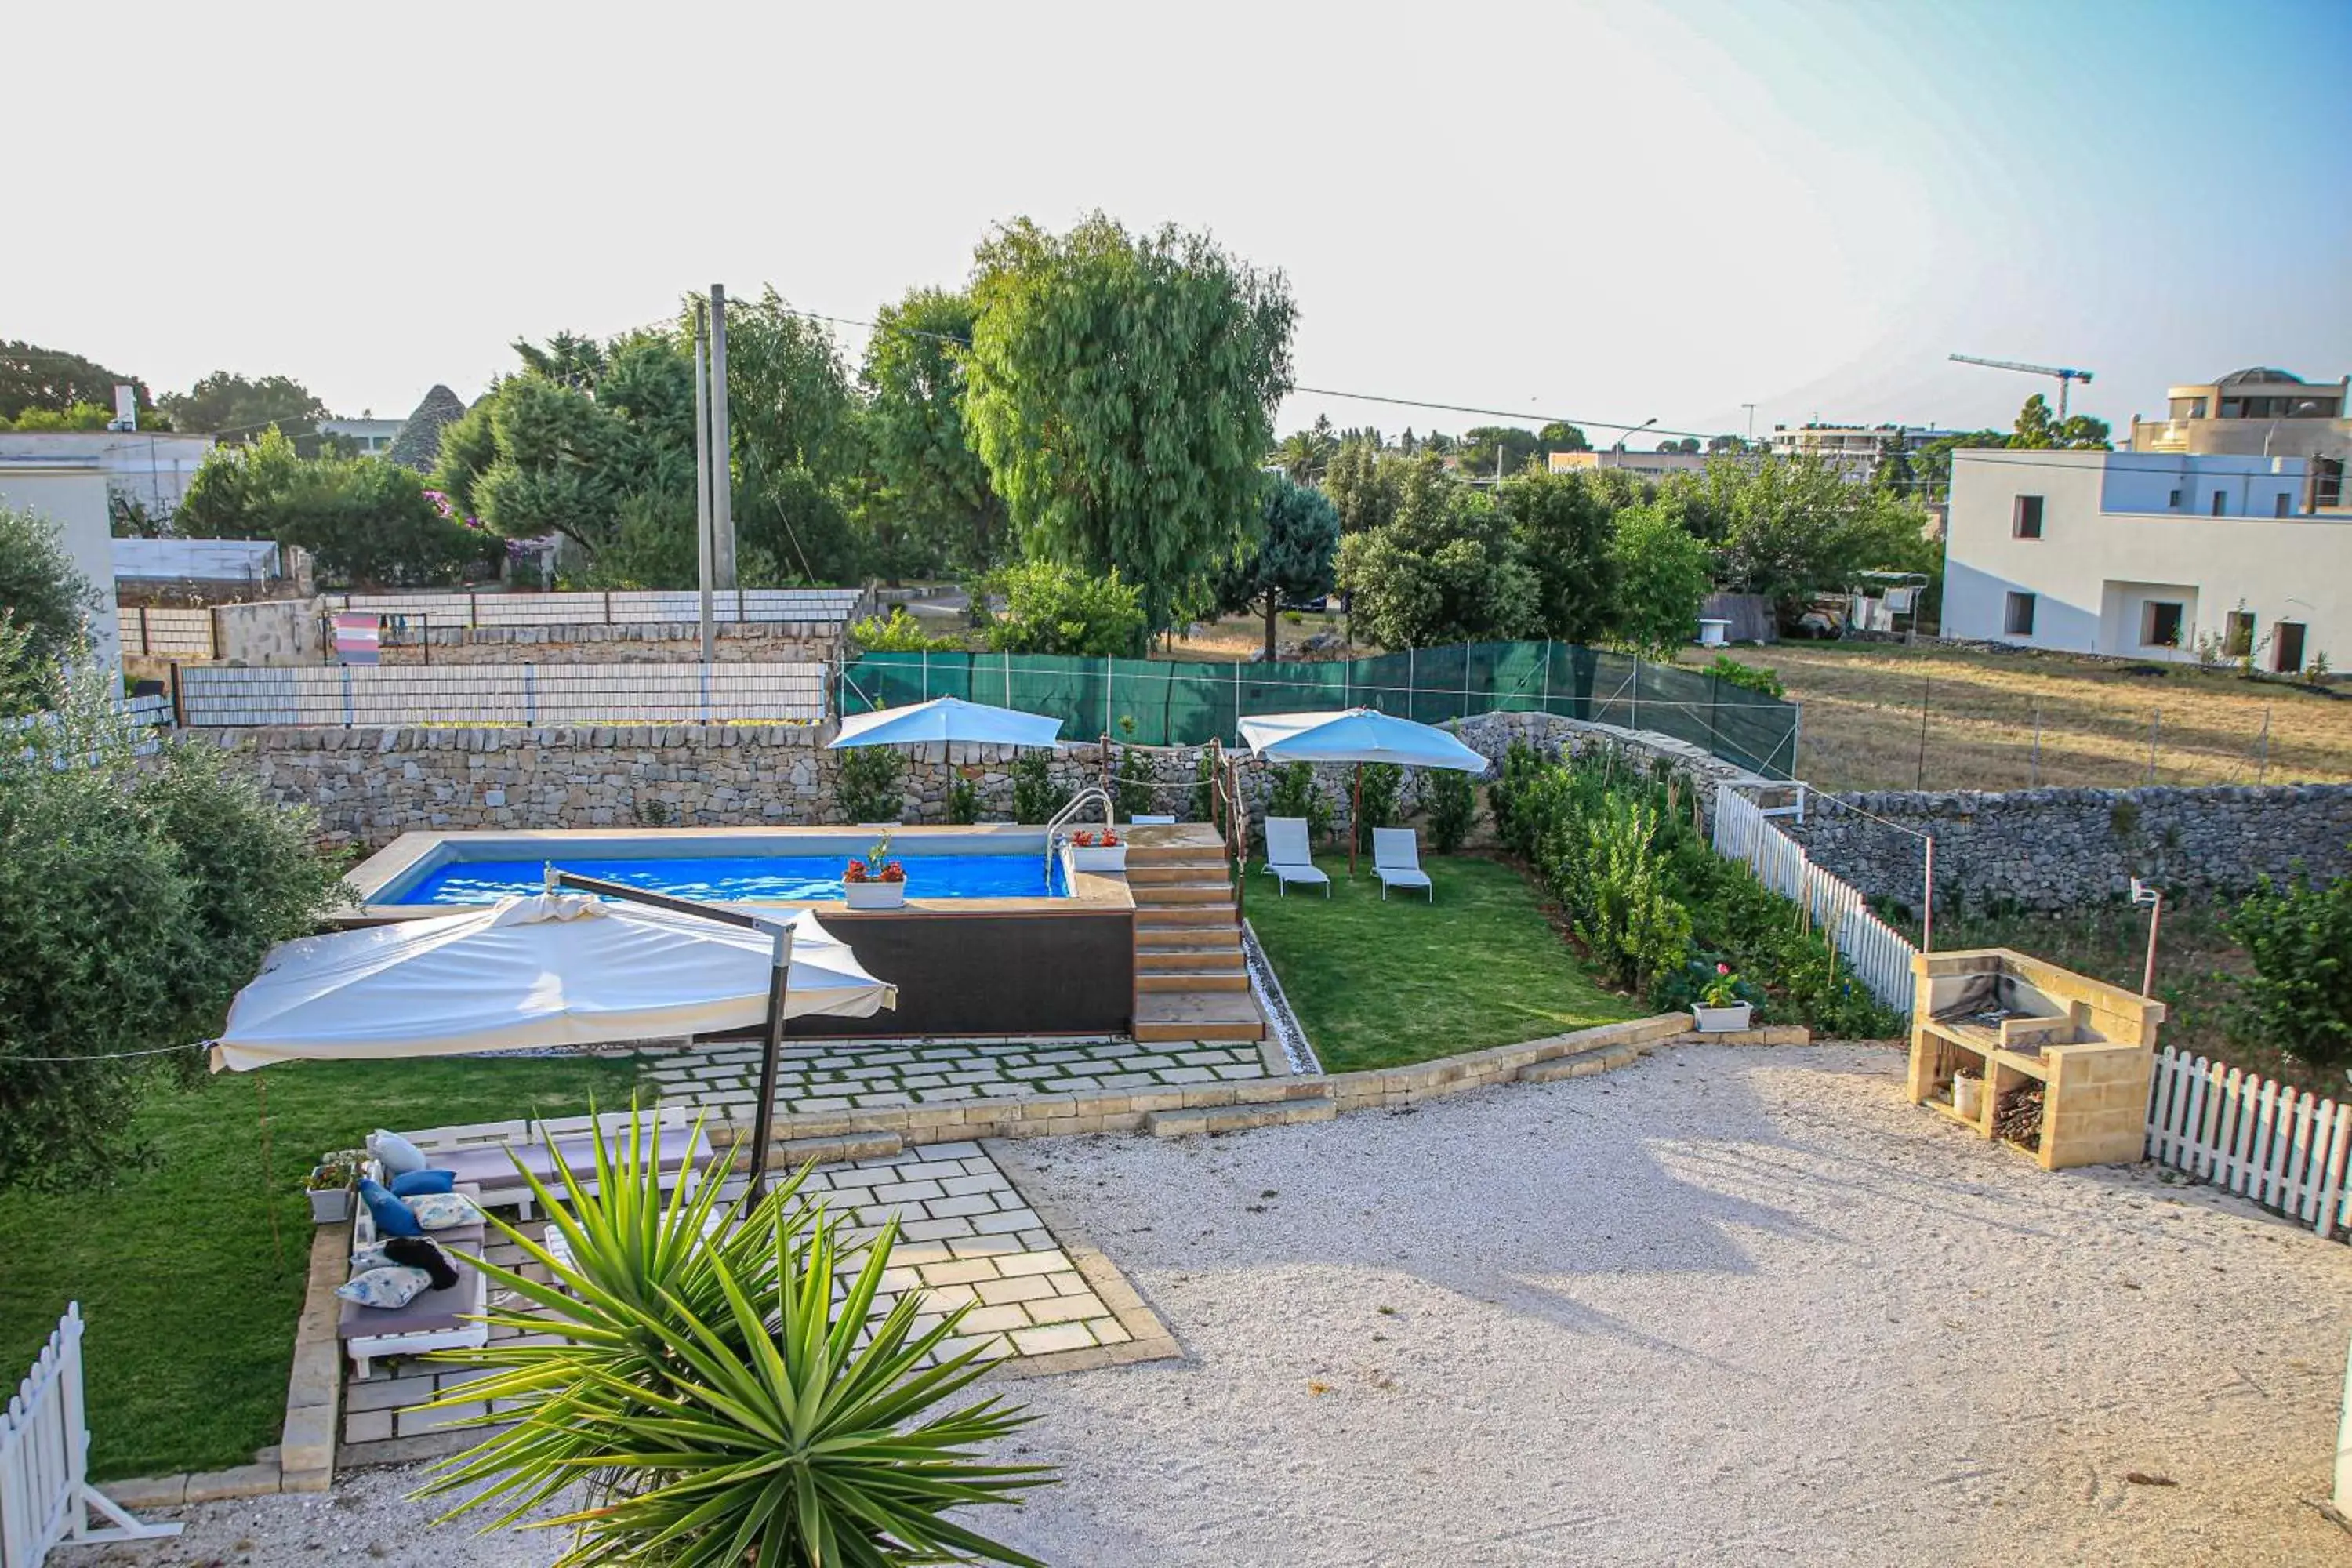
2066 378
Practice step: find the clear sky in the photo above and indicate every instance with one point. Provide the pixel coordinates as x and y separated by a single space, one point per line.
1606 212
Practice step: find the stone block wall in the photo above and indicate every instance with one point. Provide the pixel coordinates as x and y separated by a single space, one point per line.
370 786
2060 849
642 642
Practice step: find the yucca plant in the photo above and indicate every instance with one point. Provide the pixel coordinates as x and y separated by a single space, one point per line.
717 1378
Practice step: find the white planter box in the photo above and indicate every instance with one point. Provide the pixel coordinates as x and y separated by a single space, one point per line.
874 895
1724 1020
331 1206
1097 857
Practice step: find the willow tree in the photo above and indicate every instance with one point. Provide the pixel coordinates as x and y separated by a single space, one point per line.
1121 390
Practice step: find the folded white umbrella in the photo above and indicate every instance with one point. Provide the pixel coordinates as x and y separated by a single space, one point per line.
548 969
1357 735
947 719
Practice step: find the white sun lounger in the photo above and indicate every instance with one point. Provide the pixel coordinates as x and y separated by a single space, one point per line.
1396 862
1286 855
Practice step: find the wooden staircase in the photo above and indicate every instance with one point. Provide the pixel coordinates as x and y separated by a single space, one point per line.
1190 981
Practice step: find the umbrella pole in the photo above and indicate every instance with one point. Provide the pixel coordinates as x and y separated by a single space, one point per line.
764 1129
1356 822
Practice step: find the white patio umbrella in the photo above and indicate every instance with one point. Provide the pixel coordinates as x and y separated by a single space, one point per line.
1357 735
946 719
547 969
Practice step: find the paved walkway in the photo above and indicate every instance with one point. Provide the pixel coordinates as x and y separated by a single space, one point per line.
967 1237
868 1075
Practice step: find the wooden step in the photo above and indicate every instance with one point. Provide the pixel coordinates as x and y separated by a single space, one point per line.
1192 980
1154 922
1198 1016
1198 956
1146 873
1156 930
1149 895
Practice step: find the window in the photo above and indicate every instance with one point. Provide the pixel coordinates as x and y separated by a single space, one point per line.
2282 504
2221 502
2160 625
2021 615
2288 644
2025 521
2238 635
2327 482
2188 408
2174 502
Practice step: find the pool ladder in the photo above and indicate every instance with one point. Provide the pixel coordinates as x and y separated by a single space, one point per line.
1068 815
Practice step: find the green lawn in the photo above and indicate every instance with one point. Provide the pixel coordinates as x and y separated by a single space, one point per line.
1377 984
191 1312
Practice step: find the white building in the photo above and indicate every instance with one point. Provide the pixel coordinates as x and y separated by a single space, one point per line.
368 436
1646 465
150 467
2142 553
72 493
1854 450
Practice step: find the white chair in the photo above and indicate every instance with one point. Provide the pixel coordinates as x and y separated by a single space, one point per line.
1396 862
1286 855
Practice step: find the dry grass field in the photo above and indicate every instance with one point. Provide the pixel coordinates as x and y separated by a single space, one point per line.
1863 703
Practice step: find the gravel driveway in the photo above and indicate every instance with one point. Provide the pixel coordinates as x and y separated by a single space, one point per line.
1732 1306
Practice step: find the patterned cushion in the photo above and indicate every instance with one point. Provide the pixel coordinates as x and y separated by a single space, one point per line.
371 1256
388 1286
442 1211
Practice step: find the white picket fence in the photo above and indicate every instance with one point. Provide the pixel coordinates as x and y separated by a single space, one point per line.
2282 1148
1880 957
46 1499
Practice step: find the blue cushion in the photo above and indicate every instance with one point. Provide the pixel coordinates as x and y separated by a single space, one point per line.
395 1154
391 1216
423 1184
389 1287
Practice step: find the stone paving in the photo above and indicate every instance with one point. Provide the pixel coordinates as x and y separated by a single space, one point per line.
867 1075
967 1237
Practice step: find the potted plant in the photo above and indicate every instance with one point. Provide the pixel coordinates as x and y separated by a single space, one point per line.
1096 849
330 1184
1722 1005
877 882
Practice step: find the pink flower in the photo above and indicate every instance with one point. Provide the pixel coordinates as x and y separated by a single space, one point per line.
1723 969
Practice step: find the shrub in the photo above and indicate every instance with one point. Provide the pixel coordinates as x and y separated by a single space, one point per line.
1452 801
1755 677
1293 794
135 898
45 602
717 1401
1036 796
866 787
1619 894
902 632
1053 608
1132 786
963 801
1374 801
2299 998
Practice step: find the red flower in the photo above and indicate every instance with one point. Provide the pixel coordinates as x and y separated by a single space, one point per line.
1723 969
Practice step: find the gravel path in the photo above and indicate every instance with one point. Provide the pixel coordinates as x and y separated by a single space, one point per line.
1734 1306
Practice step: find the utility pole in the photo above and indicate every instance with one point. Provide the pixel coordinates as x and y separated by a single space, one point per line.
1751 422
722 478
702 541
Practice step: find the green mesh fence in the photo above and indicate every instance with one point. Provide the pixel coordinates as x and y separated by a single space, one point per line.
1156 703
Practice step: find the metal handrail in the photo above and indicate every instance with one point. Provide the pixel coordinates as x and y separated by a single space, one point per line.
1069 813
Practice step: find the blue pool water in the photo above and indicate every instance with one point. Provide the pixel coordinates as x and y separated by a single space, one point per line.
734 878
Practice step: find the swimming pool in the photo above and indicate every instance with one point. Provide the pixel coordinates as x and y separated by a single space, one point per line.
984 944
736 879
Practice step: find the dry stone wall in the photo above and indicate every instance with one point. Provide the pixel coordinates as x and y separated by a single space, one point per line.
643 642
370 786
2061 849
